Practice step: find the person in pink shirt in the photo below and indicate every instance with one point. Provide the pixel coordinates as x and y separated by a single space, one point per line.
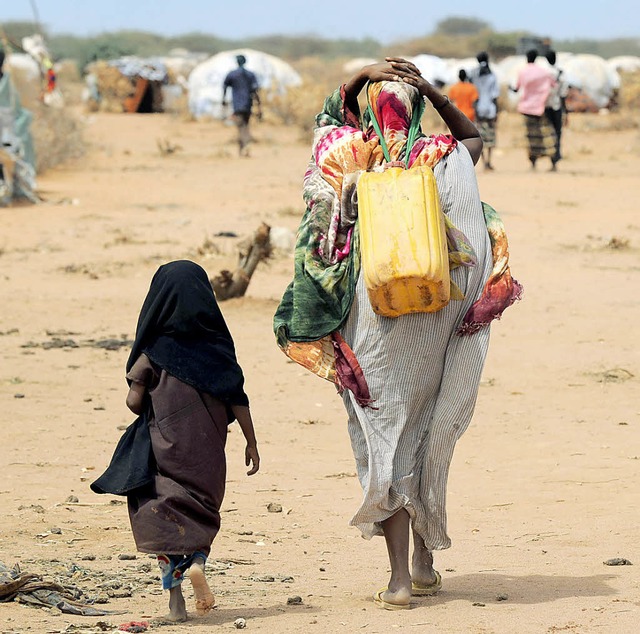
534 85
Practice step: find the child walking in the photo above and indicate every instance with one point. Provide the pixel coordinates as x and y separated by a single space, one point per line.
185 379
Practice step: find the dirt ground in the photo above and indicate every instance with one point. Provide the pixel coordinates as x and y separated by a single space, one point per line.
544 486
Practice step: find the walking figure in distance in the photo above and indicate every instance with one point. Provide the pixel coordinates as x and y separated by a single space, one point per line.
244 92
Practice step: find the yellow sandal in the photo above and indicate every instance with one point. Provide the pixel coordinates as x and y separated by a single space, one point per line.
420 590
386 605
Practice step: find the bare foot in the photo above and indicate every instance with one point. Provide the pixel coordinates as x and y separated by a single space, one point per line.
400 597
177 607
205 600
422 571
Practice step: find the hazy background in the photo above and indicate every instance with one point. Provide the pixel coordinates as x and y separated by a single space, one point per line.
383 21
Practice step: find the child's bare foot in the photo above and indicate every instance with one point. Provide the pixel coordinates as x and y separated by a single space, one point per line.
177 606
205 600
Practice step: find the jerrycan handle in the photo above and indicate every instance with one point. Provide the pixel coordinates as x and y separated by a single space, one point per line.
414 130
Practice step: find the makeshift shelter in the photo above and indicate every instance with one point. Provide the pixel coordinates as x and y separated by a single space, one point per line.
180 64
355 64
206 81
624 63
25 65
17 158
127 84
469 64
435 69
593 84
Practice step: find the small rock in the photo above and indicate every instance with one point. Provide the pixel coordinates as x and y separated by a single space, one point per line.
322 569
125 593
125 557
18 396
55 531
477 604
502 597
240 623
294 601
617 561
287 579
274 507
72 499
265 578
88 558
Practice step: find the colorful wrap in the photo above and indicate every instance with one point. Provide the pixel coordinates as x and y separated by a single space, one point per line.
327 254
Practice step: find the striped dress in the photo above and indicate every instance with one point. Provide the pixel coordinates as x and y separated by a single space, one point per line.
423 378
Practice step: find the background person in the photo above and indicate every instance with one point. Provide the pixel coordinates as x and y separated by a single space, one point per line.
534 85
486 83
244 92
556 105
422 403
464 95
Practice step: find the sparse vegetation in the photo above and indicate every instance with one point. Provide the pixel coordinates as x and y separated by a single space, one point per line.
454 36
56 132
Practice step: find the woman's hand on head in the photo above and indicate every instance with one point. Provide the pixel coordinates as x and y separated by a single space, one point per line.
393 69
252 457
409 73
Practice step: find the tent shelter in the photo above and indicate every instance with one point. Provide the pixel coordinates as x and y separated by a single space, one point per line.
206 80
625 63
435 69
355 64
17 158
591 76
128 84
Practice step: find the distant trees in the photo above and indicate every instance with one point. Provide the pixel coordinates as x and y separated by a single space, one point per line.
452 37
461 26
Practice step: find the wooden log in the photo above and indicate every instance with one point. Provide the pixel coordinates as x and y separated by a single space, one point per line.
252 251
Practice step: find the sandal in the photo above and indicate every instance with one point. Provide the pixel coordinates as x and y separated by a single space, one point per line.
421 590
386 605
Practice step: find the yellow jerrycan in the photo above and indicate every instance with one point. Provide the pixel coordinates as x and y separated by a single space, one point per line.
403 241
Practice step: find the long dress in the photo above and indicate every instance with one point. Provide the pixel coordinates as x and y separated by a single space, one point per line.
409 384
179 513
423 380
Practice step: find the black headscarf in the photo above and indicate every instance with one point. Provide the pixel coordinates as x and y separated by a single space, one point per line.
182 330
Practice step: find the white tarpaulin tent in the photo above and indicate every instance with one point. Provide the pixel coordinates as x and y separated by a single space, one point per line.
625 63
206 80
434 69
593 76
354 65
25 65
469 64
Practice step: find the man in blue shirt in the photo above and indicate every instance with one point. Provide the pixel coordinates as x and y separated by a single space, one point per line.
244 91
